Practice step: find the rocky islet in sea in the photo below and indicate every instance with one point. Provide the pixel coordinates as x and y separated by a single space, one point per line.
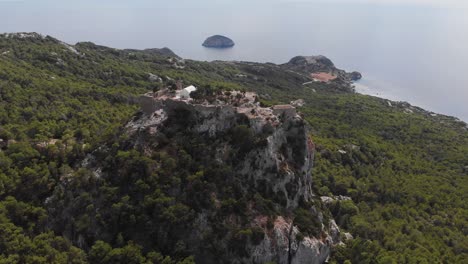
218 41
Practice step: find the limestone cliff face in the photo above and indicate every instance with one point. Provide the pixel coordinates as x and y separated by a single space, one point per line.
279 167
282 165
282 246
239 202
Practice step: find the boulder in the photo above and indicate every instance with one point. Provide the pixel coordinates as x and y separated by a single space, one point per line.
355 76
298 103
154 78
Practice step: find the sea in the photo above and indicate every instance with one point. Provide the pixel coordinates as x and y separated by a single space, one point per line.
406 52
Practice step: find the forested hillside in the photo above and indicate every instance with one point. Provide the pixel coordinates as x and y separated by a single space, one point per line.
405 169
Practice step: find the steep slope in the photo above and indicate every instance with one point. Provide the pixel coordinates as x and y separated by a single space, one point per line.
241 185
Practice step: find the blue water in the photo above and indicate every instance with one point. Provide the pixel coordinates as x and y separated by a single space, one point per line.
413 53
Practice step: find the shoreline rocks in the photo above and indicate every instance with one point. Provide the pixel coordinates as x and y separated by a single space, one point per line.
322 69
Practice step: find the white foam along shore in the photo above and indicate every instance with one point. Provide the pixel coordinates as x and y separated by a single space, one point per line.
369 89
385 92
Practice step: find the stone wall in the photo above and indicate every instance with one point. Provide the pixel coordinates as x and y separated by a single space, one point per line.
287 111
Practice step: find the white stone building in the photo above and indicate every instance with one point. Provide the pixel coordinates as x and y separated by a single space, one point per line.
185 93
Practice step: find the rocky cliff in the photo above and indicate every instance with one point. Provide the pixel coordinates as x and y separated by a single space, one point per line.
281 162
278 166
241 192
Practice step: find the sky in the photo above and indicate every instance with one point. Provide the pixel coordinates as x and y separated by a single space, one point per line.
434 3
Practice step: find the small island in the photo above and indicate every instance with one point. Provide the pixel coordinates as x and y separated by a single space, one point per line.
218 41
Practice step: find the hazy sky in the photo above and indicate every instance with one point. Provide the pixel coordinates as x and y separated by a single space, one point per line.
436 3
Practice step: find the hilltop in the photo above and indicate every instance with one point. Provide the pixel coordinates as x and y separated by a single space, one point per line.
87 176
321 69
244 174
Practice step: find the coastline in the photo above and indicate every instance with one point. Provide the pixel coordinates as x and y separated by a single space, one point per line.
372 88
363 86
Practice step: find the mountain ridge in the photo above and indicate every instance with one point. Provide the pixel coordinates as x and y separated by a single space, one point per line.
391 174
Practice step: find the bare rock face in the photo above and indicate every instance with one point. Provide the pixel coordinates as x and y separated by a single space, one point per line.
218 41
154 78
268 156
282 166
298 103
283 246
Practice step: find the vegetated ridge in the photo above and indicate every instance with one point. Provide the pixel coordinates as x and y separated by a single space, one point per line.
86 176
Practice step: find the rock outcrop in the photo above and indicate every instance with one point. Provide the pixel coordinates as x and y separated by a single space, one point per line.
320 65
312 63
163 51
281 166
355 76
166 52
283 245
218 41
298 103
263 155
23 35
285 160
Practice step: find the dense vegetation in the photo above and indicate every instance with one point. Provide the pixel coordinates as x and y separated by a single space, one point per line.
405 169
